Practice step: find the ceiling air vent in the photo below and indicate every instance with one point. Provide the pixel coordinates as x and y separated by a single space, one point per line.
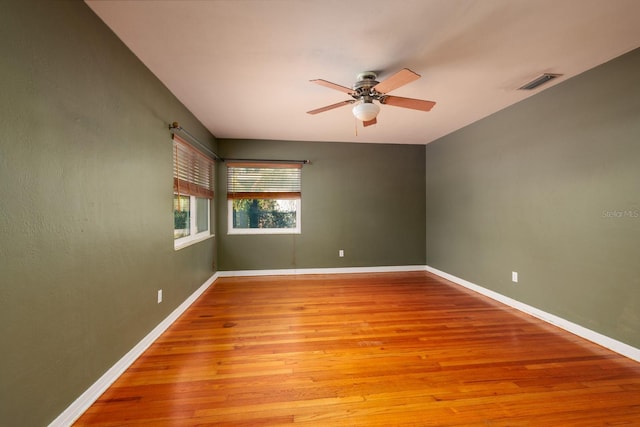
539 81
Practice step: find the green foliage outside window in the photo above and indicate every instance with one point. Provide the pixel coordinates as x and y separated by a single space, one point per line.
180 219
181 216
264 213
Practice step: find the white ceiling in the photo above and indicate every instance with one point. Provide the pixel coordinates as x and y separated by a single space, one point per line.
243 66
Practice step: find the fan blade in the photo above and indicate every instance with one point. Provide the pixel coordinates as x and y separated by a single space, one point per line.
370 122
414 104
333 86
331 107
400 78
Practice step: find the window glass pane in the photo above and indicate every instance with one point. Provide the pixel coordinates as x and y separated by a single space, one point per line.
264 213
202 214
181 216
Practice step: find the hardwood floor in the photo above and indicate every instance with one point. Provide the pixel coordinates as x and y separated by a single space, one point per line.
400 349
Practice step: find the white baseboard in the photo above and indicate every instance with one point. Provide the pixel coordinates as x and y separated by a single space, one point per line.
340 270
596 337
86 399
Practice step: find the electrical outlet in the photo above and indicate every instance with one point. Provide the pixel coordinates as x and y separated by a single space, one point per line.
514 276
159 296
341 253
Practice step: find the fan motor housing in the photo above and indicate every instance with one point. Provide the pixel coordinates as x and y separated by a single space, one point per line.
364 85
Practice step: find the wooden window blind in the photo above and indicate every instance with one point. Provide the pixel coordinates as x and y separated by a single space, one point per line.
256 180
192 170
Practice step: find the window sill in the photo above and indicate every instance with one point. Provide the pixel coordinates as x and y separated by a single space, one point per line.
186 243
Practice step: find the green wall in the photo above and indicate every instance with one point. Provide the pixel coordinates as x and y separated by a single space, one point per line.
367 199
86 206
550 188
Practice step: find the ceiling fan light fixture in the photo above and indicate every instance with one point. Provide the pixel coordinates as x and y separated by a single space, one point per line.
365 111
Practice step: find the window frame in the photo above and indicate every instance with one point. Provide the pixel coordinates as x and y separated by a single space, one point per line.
264 188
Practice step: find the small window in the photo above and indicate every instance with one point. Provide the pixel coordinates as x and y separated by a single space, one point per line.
192 194
264 198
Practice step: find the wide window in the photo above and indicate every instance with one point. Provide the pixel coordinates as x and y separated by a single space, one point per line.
192 194
264 198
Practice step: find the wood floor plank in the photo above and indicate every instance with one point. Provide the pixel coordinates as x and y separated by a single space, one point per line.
405 349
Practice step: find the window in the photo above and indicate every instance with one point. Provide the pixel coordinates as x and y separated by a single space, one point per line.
192 194
264 198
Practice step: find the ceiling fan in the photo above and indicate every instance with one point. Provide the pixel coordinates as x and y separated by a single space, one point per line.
367 89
